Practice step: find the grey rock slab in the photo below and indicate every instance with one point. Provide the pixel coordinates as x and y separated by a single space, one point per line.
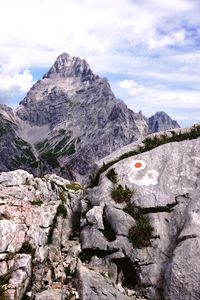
93 286
95 216
12 236
119 221
92 238
50 294
13 178
183 273
169 170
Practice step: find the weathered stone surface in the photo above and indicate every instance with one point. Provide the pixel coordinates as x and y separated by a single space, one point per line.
49 212
93 286
50 294
33 214
92 238
95 217
119 221
14 178
164 189
12 236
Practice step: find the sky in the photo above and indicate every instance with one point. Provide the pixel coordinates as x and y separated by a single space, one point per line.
148 49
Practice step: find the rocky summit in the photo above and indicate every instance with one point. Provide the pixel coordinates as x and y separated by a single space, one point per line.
68 120
133 234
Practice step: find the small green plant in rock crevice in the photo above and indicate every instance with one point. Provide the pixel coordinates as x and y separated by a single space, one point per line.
132 210
120 195
61 211
37 202
27 249
62 196
141 232
73 186
112 175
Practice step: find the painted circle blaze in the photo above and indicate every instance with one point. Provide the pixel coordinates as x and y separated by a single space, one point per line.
138 165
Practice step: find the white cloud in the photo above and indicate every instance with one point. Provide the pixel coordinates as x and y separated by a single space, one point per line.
174 38
15 86
179 103
132 39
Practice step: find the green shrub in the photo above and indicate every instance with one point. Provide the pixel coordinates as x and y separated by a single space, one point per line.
119 194
112 175
85 255
61 210
141 233
42 144
132 210
9 256
62 196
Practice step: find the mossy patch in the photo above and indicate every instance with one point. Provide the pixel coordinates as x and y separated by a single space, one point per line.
73 186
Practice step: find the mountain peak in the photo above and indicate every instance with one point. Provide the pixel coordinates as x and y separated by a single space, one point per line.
161 121
67 66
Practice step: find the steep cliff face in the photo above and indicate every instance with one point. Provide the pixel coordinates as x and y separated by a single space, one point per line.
135 235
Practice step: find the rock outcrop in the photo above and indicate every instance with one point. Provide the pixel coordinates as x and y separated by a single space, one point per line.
133 235
40 253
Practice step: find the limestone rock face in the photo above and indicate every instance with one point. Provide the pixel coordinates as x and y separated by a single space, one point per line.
36 222
165 185
135 235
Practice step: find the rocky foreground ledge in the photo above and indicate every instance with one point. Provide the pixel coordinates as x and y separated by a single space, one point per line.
40 252
134 236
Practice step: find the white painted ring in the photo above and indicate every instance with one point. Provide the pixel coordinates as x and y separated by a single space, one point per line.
138 165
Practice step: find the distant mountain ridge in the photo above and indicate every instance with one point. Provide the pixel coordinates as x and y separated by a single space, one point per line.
160 121
70 119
